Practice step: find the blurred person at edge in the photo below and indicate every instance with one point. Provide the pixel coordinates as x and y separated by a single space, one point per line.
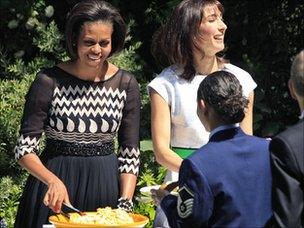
191 40
81 105
287 152
227 182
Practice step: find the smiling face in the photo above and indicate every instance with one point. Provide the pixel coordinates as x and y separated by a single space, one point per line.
210 38
94 43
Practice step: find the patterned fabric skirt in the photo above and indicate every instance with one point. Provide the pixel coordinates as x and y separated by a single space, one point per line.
91 181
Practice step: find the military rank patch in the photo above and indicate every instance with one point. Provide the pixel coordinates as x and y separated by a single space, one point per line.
185 202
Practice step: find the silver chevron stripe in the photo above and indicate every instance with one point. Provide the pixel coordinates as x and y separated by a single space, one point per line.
184 209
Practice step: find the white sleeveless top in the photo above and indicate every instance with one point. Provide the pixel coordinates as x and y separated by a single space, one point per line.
186 129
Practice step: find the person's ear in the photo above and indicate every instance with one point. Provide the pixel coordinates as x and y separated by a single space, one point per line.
201 104
291 90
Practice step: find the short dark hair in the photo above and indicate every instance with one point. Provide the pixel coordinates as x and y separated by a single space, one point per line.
297 73
93 11
223 92
173 41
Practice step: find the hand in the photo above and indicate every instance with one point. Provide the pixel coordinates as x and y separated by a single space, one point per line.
55 195
158 195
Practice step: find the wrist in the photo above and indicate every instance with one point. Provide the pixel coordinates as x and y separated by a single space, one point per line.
51 179
125 204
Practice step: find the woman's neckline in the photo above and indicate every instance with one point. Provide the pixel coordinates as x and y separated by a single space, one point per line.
87 81
177 70
220 67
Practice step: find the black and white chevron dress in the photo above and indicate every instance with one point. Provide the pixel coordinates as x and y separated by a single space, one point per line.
80 120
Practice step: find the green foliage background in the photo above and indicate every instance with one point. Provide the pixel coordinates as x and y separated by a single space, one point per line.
261 38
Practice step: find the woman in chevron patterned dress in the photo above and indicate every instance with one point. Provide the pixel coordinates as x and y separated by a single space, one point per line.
81 105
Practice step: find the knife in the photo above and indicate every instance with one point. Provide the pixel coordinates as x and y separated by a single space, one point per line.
68 208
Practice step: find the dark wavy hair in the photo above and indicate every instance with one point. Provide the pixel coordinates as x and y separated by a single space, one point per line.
93 11
223 92
172 43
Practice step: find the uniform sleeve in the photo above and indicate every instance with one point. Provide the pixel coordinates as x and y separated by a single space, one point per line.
287 193
35 112
194 204
128 134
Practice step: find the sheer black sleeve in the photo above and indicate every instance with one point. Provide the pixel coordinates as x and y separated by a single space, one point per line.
35 113
128 135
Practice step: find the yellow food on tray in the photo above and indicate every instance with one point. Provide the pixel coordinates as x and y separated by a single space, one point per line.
105 216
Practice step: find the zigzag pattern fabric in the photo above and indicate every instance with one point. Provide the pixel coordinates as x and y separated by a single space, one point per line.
26 145
85 111
76 111
128 160
88 101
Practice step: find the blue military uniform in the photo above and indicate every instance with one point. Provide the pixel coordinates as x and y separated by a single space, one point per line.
226 183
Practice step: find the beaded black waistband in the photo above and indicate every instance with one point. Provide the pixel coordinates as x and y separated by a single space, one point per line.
58 147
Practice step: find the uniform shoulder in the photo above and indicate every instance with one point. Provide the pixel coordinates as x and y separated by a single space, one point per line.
203 153
216 146
259 139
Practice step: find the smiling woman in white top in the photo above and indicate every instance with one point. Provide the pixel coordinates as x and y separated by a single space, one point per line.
190 40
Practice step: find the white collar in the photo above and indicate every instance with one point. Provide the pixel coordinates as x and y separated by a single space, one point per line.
223 127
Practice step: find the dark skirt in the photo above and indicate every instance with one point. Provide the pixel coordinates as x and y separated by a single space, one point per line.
91 182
